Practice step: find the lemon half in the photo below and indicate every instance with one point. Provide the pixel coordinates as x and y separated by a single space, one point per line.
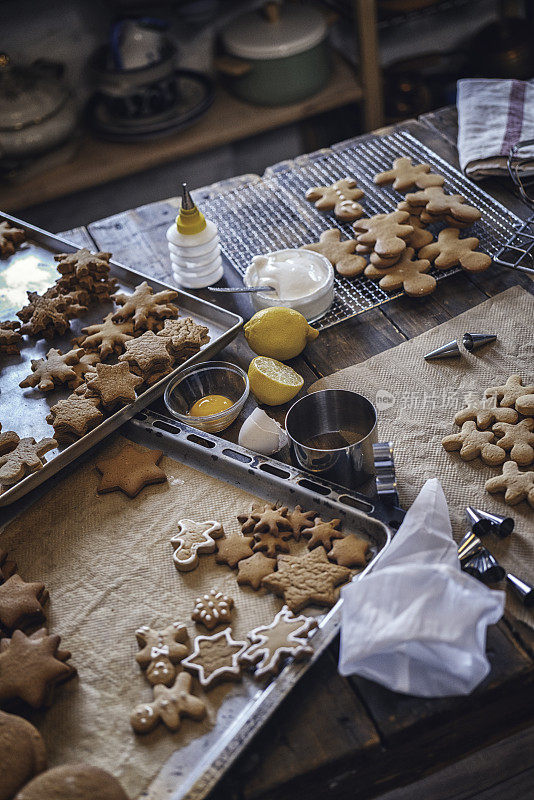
272 382
278 332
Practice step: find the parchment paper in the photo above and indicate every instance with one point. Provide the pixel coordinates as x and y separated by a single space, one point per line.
107 563
417 401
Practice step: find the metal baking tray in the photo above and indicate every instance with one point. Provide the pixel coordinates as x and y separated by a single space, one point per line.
192 771
32 267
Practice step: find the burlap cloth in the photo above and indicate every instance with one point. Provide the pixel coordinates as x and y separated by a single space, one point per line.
107 563
417 401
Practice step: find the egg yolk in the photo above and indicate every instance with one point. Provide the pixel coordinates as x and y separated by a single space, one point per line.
211 404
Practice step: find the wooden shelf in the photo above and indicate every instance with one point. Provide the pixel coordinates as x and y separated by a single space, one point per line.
97 162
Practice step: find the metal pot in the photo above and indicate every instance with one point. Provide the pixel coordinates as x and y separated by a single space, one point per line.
276 58
37 110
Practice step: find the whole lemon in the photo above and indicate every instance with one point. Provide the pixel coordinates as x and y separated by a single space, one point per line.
278 332
272 382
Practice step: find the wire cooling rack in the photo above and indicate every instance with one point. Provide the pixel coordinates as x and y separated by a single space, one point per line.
271 213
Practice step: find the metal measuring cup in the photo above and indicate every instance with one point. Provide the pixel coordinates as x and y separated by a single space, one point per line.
331 433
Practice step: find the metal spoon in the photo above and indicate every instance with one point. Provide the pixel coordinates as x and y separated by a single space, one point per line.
241 289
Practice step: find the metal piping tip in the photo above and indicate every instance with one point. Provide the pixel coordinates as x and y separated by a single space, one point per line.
478 522
449 350
472 341
469 547
489 568
522 589
187 202
502 526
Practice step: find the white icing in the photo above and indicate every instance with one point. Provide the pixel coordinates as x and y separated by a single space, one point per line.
293 274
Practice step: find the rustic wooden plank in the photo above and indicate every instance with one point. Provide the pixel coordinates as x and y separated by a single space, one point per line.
320 726
398 716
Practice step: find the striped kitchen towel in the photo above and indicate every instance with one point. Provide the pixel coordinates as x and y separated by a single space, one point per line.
493 115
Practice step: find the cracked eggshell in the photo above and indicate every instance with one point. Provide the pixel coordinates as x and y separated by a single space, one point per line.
262 434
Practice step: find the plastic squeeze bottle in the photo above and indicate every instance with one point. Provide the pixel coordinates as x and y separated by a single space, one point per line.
194 247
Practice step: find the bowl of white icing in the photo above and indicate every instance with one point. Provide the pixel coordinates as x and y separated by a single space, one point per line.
301 279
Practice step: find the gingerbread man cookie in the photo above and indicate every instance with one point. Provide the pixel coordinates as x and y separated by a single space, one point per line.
310 579
270 645
516 485
339 252
212 609
438 204
408 273
215 658
169 706
52 371
8 441
340 197
484 416
510 392
144 307
450 250
472 443
386 233
194 538
404 175
518 440
160 651
25 458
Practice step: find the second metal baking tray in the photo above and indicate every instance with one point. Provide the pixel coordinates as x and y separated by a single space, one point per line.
24 410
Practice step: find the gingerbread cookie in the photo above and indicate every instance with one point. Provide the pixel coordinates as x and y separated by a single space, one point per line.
472 443
46 317
339 252
300 520
310 579
169 706
404 175
8 567
340 197
108 337
73 782
233 548
212 609
271 529
194 538
74 417
508 393
408 273
215 658
22 754
251 570
485 416
438 204
248 519
285 637
271 544
322 533
450 250
145 307
350 551
10 337
160 651
524 404
386 233
148 355
25 458
30 666
8 441
518 440
114 384
21 603
53 371
130 470
10 237
184 337
85 366
82 263
516 485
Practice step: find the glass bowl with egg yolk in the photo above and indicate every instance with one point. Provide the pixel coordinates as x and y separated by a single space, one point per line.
208 396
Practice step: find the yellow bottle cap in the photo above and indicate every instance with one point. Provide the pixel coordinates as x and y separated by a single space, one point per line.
190 220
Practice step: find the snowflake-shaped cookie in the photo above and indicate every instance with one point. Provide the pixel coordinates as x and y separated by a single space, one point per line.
271 644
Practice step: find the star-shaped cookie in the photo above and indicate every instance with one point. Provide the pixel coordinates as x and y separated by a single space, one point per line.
251 570
21 603
30 666
271 644
74 417
310 579
147 354
322 533
233 548
215 658
130 470
350 551
114 384
299 520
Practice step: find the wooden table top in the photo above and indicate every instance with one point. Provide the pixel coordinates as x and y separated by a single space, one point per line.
335 734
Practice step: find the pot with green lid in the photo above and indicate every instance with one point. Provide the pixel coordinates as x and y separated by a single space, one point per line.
277 58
